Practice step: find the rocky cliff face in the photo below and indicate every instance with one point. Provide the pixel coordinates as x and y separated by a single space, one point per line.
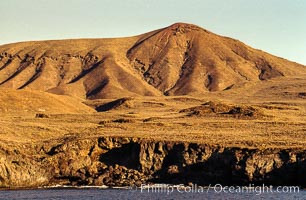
115 161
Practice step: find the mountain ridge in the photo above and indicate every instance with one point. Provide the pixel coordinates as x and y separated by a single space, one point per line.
181 59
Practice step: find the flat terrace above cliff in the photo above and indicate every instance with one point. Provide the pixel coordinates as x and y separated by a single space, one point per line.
228 121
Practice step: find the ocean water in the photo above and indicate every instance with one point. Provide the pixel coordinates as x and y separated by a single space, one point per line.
135 194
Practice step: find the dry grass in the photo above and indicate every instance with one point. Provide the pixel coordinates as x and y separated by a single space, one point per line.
284 124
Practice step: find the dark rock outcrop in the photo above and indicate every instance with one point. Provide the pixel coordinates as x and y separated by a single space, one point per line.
116 161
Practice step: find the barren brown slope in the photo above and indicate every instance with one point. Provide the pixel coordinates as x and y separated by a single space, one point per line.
177 60
186 59
91 68
25 102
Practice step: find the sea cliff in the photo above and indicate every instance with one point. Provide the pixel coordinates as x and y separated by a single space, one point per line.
126 161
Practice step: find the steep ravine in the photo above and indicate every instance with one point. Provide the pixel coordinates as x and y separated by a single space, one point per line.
115 161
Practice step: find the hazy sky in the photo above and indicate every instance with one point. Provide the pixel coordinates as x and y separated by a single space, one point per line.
275 26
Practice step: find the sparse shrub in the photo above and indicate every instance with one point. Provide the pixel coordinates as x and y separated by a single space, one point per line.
150 119
41 115
123 120
103 122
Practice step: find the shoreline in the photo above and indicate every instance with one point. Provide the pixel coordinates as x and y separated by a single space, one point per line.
159 186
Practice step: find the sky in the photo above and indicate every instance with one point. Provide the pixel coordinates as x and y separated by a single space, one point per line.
274 26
